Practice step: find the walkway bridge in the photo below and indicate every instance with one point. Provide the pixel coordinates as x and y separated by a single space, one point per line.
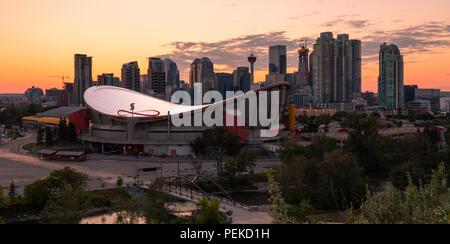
188 189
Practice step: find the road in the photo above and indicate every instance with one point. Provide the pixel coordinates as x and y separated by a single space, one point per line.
17 165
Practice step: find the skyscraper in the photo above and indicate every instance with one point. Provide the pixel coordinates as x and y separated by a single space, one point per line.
390 79
172 77
356 66
343 86
131 76
277 59
335 69
156 78
224 83
241 80
303 66
323 61
172 73
108 80
277 64
202 70
83 78
409 93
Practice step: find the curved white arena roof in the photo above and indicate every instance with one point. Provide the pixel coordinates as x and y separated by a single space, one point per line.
111 100
117 101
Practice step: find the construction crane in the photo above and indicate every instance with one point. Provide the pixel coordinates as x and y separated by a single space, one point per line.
62 77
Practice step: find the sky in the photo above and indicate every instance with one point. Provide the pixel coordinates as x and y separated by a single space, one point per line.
38 39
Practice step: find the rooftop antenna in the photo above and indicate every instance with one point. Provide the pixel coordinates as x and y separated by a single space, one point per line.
305 43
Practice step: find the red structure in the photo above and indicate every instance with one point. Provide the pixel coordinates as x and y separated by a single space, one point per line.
242 133
81 119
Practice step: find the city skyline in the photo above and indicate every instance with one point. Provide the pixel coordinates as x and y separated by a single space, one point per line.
42 43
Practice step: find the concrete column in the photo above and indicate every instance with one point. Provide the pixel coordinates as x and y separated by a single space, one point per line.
168 126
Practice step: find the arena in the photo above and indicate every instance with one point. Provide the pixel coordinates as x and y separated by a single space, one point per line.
134 123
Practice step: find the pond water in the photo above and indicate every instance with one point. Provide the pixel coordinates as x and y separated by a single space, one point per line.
180 208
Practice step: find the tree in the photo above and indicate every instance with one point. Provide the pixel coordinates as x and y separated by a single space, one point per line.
58 180
156 208
48 137
152 207
209 213
324 119
72 134
447 162
69 206
365 142
291 149
342 175
38 193
280 209
322 145
12 194
428 204
216 143
68 203
3 200
129 212
294 171
399 175
199 146
62 128
40 137
243 162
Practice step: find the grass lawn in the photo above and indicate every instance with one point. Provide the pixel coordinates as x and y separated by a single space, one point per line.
29 147
34 148
111 194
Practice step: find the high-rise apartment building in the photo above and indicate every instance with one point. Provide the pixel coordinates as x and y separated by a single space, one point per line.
34 95
335 69
83 78
131 75
108 80
390 79
356 66
52 94
323 68
343 86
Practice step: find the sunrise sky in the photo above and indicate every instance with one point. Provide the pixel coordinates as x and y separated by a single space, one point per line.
40 37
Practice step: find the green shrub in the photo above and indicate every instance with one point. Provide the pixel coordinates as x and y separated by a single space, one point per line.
119 182
302 211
